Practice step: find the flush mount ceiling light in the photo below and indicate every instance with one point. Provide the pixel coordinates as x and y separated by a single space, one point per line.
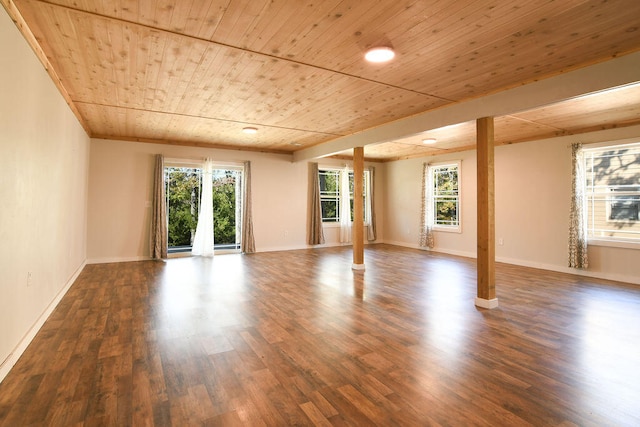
249 130
429 141
379 54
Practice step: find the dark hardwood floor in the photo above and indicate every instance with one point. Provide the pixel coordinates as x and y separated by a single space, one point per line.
298 338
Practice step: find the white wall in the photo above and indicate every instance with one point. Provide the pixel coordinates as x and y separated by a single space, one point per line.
44 157
532 198
533 194
120 188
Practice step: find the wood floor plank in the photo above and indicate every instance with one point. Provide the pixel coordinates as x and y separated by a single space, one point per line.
298 338
315 415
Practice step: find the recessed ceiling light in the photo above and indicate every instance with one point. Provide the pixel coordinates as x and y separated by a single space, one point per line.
379 54
429 141
249 130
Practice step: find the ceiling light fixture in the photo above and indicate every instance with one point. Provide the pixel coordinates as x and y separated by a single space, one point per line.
429 141
379 54
249 130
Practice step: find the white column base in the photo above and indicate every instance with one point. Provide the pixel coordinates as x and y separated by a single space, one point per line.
357 266
487 303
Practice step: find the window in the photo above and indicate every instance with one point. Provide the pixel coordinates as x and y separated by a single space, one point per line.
612 192
445 196
330 194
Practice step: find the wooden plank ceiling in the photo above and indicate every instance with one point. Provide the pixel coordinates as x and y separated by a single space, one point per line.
198 71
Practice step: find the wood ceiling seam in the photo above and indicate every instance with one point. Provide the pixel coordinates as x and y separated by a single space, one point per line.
229 46
206 118
213 145
516 117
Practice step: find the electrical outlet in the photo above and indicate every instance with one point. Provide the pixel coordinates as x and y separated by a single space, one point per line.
500 241
29 278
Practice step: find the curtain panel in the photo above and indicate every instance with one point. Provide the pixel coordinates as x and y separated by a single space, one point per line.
203 240
247 245
578 213
345 207
315 233
426 215
371 212
158 243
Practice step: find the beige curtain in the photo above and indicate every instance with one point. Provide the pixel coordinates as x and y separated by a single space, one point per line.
158 242
426 229
577 215
371 212
315 232
247 245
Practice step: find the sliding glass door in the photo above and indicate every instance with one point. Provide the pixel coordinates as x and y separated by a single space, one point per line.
183 185
227 202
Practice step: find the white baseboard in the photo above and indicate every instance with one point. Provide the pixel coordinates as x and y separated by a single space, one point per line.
403 244
524 263
298 247
464 254
13 357
117 259
283 248
561 269
438 250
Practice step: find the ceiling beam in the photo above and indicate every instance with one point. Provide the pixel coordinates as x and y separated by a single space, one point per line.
601 76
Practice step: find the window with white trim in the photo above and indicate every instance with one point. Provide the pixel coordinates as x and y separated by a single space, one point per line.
445 196
612 192
330 194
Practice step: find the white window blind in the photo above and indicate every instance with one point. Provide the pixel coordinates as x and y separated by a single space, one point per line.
612 191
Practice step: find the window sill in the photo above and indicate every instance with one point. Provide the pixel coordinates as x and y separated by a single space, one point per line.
337 224
448 229
331 224
614 243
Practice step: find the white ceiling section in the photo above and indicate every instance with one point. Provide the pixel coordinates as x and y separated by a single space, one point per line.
195 72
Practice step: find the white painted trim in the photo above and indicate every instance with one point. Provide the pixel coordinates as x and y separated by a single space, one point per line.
13 357
117 259
614 243
634 280
306 246
438 250
596 146
290 248
456 253
404 244
487 303
450 228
